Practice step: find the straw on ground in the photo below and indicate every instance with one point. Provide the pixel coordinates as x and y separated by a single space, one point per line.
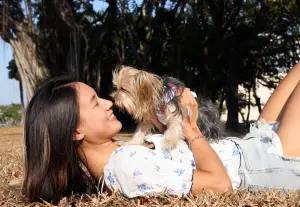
11 169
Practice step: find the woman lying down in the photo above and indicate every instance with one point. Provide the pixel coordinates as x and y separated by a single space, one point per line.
67 125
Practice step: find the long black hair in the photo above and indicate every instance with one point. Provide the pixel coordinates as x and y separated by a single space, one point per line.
52 166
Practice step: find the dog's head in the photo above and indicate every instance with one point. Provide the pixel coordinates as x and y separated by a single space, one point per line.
137 91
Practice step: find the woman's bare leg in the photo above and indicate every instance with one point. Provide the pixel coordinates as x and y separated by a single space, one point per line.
289 128
276 103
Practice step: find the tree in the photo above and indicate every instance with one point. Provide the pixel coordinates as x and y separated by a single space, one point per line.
18 31
212 45
10 114
13 74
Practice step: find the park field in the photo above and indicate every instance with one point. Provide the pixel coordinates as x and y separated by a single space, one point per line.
11 145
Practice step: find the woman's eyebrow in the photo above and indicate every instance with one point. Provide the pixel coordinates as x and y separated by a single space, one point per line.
92 98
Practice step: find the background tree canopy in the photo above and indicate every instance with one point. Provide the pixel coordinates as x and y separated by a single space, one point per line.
212 45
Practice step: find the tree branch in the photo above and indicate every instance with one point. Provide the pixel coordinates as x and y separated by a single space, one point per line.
65 12
232 15
29 15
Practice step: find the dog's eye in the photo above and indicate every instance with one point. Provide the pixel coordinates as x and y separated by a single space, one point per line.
122 89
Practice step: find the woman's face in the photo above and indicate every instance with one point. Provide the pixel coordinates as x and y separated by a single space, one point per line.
97 121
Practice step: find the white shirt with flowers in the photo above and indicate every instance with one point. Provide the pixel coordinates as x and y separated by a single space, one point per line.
139 171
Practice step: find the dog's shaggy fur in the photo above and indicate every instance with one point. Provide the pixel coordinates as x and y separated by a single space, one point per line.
145 95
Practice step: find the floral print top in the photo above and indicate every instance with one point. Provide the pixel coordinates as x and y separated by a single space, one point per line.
139 171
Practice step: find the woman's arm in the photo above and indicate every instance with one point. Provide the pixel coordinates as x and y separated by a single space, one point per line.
210 173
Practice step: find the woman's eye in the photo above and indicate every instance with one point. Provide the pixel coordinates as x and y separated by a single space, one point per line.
97 104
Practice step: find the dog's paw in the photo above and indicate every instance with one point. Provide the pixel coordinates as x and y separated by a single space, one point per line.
169 144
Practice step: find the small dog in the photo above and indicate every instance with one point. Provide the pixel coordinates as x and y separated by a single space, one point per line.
145 95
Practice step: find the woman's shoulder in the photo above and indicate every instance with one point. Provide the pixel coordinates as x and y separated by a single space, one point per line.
127 151
129 155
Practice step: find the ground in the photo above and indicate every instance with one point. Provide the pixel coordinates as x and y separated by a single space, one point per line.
11 169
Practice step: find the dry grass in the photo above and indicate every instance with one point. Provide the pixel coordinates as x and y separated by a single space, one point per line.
11 168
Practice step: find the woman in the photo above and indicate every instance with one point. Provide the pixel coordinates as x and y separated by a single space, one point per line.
67 125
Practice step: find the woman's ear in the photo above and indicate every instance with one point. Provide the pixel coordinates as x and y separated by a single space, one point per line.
78 135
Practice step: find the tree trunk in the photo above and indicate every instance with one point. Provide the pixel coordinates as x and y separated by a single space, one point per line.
111 58
232 123
232 99
248 104
257 99
145 48
22 102
29 61
221 103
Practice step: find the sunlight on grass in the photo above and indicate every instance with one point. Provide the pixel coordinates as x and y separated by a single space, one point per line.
11 169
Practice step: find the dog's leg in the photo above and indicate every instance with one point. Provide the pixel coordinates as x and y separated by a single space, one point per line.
138 137
174 130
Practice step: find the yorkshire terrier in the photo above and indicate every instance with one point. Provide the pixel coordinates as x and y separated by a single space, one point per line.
146 96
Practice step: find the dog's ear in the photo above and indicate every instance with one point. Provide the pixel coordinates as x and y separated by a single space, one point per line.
149 86
116 76
149 90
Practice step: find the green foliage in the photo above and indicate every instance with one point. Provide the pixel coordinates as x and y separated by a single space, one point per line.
10 113
212 45
13 70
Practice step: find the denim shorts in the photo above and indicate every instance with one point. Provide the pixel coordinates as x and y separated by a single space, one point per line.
263 165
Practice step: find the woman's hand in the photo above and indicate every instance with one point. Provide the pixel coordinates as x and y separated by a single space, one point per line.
210 173
190 126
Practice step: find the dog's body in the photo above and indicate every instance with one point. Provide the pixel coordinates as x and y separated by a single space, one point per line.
145 95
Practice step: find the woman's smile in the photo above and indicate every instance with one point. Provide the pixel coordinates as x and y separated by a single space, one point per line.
112 117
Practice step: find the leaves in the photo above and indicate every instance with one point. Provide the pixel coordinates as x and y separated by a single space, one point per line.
200 42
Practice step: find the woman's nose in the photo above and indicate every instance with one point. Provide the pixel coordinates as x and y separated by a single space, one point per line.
106 104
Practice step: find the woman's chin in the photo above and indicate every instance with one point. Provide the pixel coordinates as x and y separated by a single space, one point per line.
117 126
113 128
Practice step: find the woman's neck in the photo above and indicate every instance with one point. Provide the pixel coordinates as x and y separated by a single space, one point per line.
96 156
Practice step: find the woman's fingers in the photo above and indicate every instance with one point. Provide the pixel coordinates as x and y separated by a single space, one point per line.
187 100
